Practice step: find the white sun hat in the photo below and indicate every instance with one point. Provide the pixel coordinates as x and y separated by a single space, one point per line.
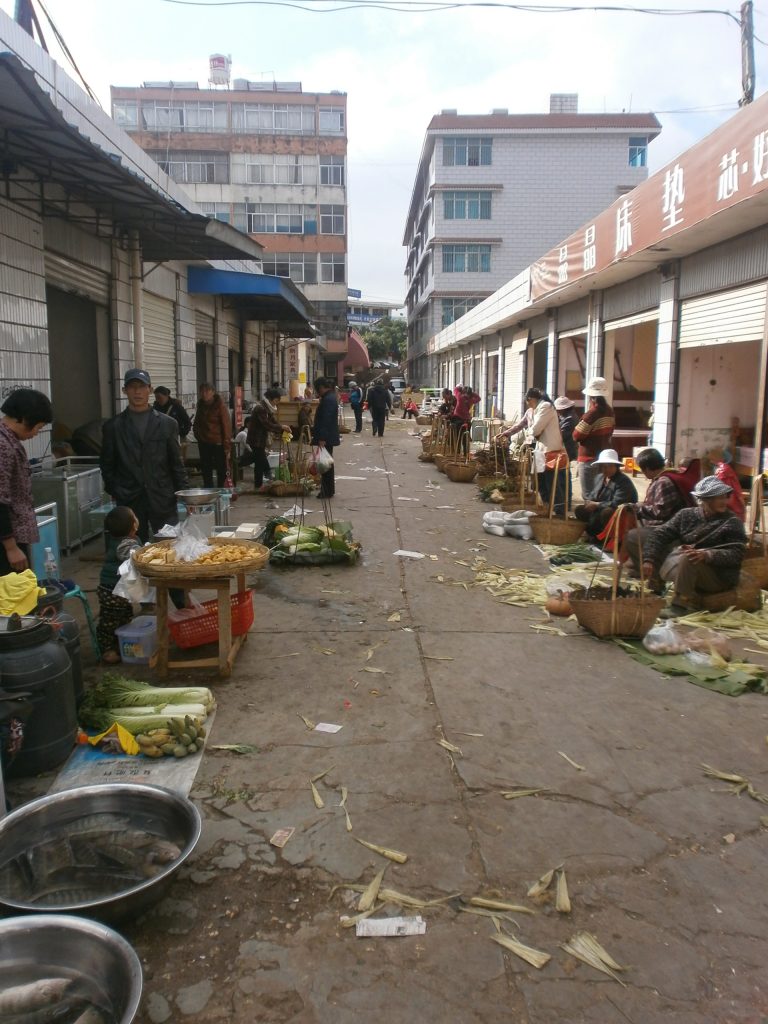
609 457
596 387
563 403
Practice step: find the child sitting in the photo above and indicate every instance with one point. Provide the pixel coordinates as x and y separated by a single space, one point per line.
121 527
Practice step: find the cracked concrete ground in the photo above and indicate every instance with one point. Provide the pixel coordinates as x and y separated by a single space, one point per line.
252 933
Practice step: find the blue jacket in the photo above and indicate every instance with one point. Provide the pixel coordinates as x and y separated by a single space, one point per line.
355 396
326 425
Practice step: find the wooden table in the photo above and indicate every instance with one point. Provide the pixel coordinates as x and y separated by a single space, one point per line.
229 646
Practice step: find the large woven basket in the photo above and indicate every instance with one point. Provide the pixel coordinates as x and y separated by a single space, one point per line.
756 564
255 557
461 472
426 456
745 596
514 501
604 614
555 530
440 459
423 421
283 489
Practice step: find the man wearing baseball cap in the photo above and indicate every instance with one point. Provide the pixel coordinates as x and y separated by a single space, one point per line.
141 458
700 550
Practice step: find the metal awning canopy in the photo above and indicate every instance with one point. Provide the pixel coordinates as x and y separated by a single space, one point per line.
256 297
52 165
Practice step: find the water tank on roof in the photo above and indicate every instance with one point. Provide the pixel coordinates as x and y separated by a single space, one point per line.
219 67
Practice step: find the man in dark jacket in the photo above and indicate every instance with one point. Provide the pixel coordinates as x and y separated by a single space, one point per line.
700 550
141 458
263 426
379 401
325 431
356 402
172 407
613 488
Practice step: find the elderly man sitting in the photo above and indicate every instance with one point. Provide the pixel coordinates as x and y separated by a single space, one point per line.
613 488
700 550
662 500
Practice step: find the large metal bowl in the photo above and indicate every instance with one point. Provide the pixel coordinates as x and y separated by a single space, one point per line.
150 808
51 945
199 496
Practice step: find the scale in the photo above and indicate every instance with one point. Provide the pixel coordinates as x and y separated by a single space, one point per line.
203 505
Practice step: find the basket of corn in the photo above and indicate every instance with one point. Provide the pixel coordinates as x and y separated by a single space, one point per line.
223 558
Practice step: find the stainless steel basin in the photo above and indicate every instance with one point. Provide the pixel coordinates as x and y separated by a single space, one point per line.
52 945
199 496
62 816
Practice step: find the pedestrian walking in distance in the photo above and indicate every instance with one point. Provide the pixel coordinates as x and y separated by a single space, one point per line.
356 402
325 431
379 403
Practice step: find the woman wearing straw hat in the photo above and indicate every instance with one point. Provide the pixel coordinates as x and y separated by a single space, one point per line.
613 489
700 550
593 431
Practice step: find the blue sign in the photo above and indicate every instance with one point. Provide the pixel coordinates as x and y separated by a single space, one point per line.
354 293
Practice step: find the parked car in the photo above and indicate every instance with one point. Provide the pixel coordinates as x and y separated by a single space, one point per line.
397 385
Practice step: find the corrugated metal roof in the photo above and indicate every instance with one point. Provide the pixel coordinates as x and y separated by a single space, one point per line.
647 123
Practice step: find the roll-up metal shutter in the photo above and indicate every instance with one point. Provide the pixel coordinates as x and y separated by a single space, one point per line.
632 321
159 322
514 366
737 315
77 278
233 337
204 329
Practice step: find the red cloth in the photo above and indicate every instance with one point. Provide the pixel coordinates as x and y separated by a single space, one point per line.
686 479
616 530
736 504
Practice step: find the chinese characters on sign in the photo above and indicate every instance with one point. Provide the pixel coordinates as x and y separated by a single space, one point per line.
562 268
293 362
589 256
624 227
674 196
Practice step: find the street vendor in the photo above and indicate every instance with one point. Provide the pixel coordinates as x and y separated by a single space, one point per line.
700 550
263 425
662 500
718 461
613 488
593 432
448 404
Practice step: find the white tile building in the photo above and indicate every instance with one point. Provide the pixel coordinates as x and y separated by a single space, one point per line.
494 191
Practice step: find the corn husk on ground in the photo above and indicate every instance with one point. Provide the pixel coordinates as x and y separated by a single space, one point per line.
585 947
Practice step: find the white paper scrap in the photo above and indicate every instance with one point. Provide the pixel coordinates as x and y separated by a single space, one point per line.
387 927
407 554
328 727
297 510
408 499
451 507
350 478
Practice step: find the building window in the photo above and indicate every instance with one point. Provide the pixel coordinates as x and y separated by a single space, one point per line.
126 113
332 267
466 151
300 267
280 170
273 119
466 259
331 121
194 168
638 151
467 205
169 115
455 308
331 220
280 219
217 211
331 170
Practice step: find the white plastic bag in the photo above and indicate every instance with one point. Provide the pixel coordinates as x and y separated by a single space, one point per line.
519 528
497 531
190 543
132 586
322 460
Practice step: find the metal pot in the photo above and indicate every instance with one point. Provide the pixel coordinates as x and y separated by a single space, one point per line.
52 945
149 808
199 496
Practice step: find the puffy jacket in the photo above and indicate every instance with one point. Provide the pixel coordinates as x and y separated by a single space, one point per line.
176 411
212 422
263 424
326 425
378 398
150 469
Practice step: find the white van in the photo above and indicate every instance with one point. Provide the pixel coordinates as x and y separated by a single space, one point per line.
397 385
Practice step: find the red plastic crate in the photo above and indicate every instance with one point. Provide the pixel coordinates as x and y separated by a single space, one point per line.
204 628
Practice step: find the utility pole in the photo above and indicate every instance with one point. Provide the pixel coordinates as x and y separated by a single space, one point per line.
747 55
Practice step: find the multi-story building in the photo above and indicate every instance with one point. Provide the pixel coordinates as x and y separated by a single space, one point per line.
269 159
494 191
362 312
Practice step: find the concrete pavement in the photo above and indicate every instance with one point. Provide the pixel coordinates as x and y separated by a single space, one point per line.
252 933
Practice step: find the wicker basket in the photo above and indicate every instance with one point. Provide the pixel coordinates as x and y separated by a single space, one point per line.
514 501
461 472
426 456
556 531
604 614
423 421
745 596
439 459
756 564
284 489
255 557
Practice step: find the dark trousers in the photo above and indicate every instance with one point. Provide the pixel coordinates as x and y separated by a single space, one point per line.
596 522
545 489
113 612
358 411
212 457
328 479
260 466
379 417
5 565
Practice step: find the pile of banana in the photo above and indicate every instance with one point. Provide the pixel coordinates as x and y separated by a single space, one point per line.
178 739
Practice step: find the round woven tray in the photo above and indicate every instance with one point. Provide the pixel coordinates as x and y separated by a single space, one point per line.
256 558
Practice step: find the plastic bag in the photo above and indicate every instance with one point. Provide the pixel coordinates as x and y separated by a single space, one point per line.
322 460
190 543
665 640
497 531
132 586
707 640
519 528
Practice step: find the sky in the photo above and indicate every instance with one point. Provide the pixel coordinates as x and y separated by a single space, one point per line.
399 68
